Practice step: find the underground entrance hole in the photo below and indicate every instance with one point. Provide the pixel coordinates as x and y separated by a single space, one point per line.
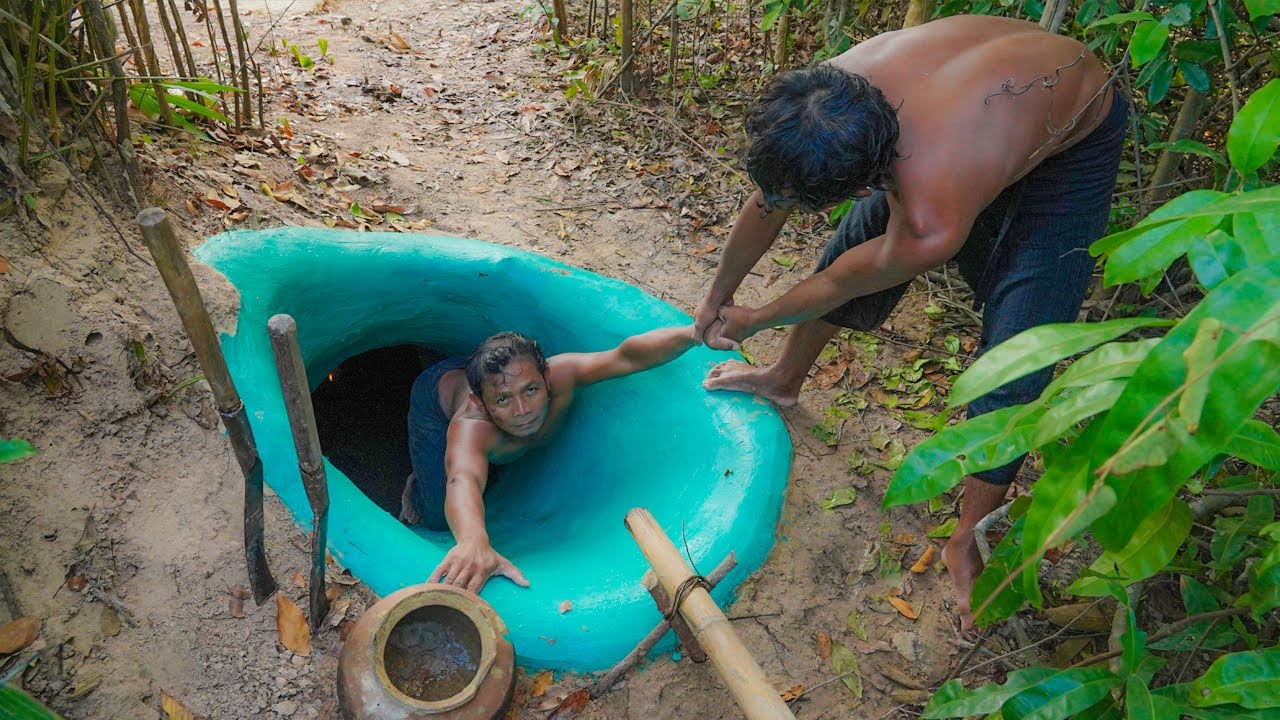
433 653
362 411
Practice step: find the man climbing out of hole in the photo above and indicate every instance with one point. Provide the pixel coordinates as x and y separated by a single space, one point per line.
981 139
466 414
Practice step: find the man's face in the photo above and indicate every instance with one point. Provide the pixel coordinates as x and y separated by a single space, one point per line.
517 398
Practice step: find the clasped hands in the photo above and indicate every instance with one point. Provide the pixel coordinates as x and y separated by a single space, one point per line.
723 326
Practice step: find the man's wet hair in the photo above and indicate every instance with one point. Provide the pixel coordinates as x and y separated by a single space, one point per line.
819 135
493 356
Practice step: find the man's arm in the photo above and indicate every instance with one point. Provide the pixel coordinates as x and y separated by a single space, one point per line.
635 354
896 257
753 233
472 561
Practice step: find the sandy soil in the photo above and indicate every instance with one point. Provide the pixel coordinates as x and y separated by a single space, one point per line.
135 496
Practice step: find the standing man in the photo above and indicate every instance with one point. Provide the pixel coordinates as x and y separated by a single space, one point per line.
983 139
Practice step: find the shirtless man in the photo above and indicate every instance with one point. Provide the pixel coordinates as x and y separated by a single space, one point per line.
983 139
491 408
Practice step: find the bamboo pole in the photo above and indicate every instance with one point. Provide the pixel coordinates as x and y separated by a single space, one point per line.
634 657
149 54
744 678
231 64
628 48
182 38
306 441
177 276
242 51
1188 115
102 38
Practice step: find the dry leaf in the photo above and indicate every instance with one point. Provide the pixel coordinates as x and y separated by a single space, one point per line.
541 682
384 208
397 42
109 623
1083 617
503 157
911 356
76 583
192 209
480 189
566 606
903 607
824 645
845 664
174 709
18 634
898 675
571 706
4 265
291 626
829 374
299 580
239 594
925 560
904 538
795 692
230 192
338 612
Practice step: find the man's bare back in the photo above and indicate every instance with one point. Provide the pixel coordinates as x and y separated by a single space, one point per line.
981 101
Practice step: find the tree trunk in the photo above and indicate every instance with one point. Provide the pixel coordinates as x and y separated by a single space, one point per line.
918 12
1055 11
560 27
782 53
628 48
1188 116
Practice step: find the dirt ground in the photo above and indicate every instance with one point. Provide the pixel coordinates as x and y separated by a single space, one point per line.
123 534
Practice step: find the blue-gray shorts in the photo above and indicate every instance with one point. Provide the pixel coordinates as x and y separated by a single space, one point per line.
1026 258
428 436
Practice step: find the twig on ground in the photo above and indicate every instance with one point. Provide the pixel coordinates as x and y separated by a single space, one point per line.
1170 631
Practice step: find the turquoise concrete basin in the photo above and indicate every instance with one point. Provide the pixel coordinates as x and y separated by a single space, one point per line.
711 467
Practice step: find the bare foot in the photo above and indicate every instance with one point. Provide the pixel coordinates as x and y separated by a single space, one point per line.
964 565
739 376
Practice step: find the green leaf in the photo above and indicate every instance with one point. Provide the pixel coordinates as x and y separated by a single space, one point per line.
1198 51
1191 147
1151 245
944 529
1227 546
1248 679
1142 705
1255 132
1154 544
1148 39
843 496
1112 361
1264 584
1074 409
1195 76
1199 355
1257 234
844 663
1160 77
1177 16
954 700
1245 303
197 108
1121 18
1067 500
856 624
17 705
1262 8
941 462
1215 257
1062 695
15 449
1036 348
1004 558
785 261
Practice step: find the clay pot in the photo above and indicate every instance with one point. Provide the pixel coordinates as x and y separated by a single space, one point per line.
427 651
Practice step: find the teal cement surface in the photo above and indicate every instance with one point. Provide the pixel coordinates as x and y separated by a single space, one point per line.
711 467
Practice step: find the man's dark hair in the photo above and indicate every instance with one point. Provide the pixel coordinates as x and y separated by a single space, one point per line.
818 136
493 355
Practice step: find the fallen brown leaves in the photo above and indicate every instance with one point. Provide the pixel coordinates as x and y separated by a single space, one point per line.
291 626
18 634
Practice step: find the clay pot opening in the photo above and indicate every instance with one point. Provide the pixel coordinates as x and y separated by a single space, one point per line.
434 650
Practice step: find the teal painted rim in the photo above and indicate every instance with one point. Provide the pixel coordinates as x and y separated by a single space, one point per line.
711 467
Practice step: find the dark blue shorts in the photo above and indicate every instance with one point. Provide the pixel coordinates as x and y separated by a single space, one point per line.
1026 257
428 435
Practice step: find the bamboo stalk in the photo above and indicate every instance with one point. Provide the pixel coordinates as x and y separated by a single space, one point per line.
743 677
672 50
628 48
242 51
182 37
119 97
306 441
177 276
149 54
1188 116
170 36
231 64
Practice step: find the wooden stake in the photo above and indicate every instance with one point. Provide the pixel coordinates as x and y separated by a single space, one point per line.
306 440
744 678
628 48
173 267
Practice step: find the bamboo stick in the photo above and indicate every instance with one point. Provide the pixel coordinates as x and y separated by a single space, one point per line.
177 276
306 441
242 51
149 55
628 48
231 64
182 37
170 36
744 678
634 657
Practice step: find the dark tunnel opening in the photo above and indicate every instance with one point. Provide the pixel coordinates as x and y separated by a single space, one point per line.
362 410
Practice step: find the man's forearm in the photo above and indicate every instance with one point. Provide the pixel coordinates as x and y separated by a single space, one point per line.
657 347
464 509
753 233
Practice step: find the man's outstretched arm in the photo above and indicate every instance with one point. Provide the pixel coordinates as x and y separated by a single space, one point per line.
472 561
635 354
753 233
